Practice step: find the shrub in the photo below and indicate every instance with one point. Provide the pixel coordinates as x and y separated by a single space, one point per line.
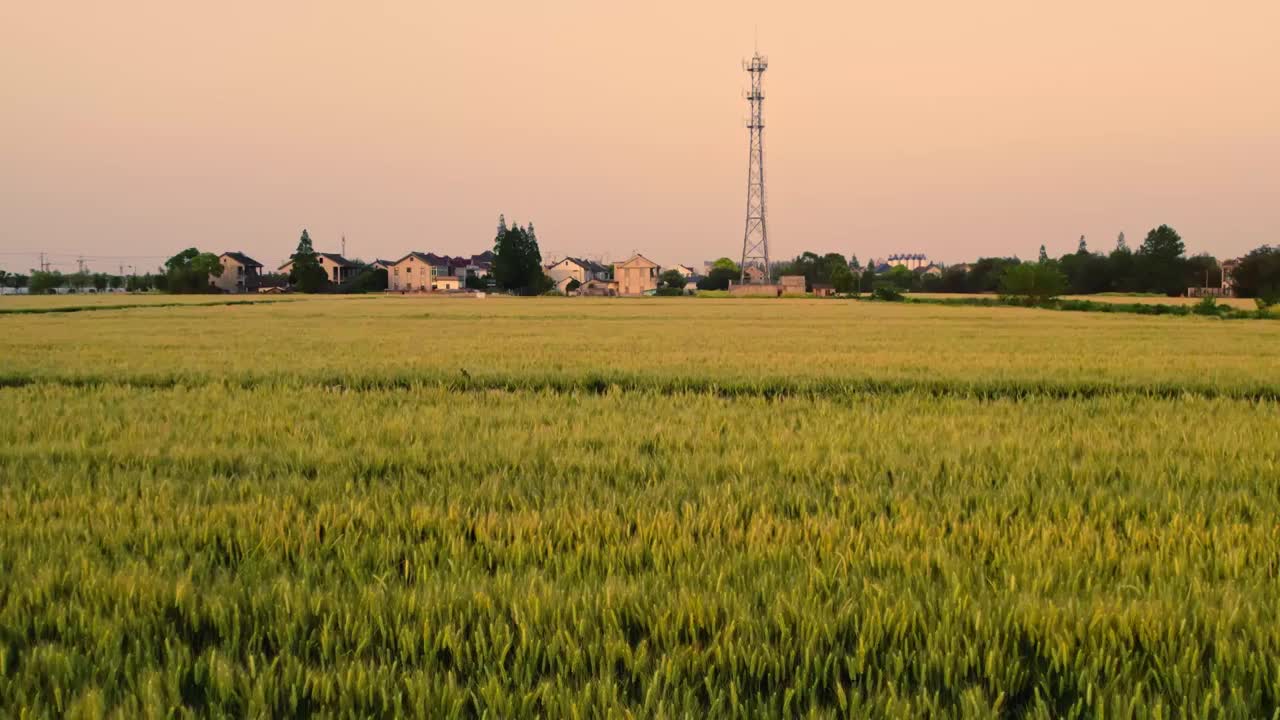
888 293
1032 283
1207 306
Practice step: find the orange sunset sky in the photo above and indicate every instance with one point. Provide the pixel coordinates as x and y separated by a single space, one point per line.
133 129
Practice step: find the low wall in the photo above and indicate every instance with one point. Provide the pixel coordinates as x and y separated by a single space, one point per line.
751 289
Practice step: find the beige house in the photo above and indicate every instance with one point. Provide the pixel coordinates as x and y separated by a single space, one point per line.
636 276
411 273
337 269
579 269
446 282
684 270
240 273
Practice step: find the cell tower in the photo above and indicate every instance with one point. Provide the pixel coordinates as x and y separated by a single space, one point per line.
755 241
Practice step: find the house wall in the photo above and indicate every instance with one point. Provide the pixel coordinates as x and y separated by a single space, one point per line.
635 279
755 289
566 269
235 276
334 272
792 284
409 275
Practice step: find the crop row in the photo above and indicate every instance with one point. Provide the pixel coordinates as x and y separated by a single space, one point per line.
217 550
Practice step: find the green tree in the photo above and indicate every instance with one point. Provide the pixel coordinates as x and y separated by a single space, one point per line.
1121 270
854 265
868 282
672 279
45 282
306 274
517 262
189 271
1032 283
843 279
1160 264
954 280
1044 255
1202 271
1258 275
984 275
900 277
719 278
100 281
572 285
728 264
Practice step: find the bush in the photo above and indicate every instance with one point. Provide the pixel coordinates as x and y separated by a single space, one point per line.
888 293
670 292
1208 306
1032 283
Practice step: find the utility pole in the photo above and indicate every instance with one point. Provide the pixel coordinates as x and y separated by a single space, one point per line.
755 240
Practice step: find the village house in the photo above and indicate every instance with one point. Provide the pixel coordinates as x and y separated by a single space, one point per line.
411 273
240 273
571 268
636 276
446 282
684 270
337 269
823 290
792 284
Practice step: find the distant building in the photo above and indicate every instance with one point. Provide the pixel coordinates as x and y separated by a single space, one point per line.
1228 271
823 290
684 270
910 261
337 269
636 276
411 273
578 269
792 284
446 282
755 274
240 273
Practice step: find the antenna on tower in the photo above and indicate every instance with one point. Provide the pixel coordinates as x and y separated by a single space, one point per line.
344 245
755 239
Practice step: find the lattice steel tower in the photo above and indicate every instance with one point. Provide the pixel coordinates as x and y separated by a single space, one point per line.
755 241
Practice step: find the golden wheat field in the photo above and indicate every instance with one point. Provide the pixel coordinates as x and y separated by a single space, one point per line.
393 506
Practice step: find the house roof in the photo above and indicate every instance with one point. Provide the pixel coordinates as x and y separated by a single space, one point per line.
414 254
242 259
638 260
338 260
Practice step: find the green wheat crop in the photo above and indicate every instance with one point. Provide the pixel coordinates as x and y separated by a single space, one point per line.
654 508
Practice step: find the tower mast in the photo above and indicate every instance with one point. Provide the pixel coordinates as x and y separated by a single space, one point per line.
755 240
